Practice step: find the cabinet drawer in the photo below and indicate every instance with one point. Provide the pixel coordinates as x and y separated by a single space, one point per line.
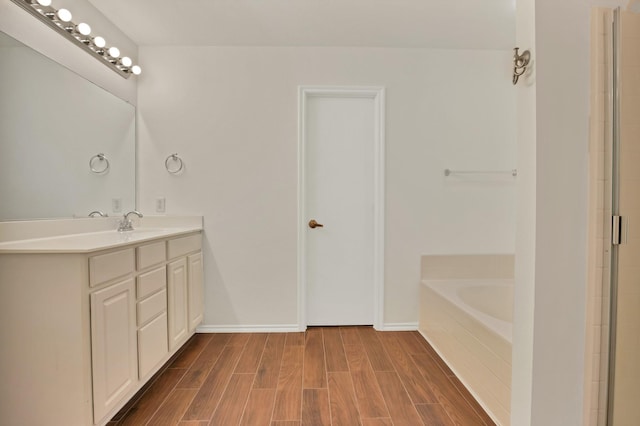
152 345
184 245
151 254
151 281
106 267
152 306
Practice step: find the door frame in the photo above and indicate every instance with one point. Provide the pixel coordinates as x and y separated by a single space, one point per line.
377 94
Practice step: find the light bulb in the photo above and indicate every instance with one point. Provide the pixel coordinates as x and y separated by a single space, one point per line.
44 3
114 52
83 29
99 42
126 61
64 15
136 70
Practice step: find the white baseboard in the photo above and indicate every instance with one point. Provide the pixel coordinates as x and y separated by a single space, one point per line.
400 326
276 328
288 328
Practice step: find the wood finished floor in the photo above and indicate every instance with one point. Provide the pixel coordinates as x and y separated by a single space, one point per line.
327 376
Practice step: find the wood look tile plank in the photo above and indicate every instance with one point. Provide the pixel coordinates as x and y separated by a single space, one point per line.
191 351
259 407
472 401
410 342
377 356
207 398
170 412
295 339
153 398
359 376
234 398
315 376
377 422
315 407
238 339
342 400
250 358
403 412
443 365
417 388
200 368
458 409
269 368
368 394
289 393
434 415
334 350
357 358
350 335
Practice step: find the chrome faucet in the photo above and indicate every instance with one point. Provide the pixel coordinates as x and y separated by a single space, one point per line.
97 213
125 223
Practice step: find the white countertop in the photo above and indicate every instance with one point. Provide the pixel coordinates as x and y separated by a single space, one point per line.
92 241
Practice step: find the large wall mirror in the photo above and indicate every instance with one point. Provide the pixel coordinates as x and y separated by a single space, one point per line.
52 124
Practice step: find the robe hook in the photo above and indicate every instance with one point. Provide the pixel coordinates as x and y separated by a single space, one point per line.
520 63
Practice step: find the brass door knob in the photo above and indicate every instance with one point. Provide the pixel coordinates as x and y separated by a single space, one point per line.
314 224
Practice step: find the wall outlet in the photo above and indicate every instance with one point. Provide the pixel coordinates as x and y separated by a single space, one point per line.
116 205
160 205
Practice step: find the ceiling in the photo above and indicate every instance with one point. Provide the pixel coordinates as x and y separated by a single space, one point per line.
447 24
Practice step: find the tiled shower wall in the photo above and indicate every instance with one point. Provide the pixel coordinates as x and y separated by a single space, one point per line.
627 350
627 391
599 213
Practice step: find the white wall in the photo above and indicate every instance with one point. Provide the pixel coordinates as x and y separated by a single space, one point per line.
26 28
551 249
524 291
231 113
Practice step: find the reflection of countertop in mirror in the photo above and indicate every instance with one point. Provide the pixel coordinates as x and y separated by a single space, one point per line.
87 240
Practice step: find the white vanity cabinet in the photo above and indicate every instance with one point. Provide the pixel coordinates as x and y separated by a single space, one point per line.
86 330
114 352
184 288
152 319
177 298
196 290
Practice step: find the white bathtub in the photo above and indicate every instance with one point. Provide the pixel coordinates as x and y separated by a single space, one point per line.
468 322
490 301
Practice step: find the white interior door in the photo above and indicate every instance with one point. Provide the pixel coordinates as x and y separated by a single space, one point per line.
339 134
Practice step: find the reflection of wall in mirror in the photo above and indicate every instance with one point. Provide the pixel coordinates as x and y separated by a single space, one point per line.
52 122
23 27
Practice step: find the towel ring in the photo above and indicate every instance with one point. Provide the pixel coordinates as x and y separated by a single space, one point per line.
100 157
176 159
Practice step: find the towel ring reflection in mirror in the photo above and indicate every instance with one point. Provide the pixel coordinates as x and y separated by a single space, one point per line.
173 158
95 160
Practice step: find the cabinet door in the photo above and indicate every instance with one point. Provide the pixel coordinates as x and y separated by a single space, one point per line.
196 290
113 346
152 342
177 302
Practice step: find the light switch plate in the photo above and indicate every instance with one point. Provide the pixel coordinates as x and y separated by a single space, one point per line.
160 205
116 205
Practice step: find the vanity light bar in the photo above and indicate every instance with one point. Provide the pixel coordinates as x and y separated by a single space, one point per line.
80 34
